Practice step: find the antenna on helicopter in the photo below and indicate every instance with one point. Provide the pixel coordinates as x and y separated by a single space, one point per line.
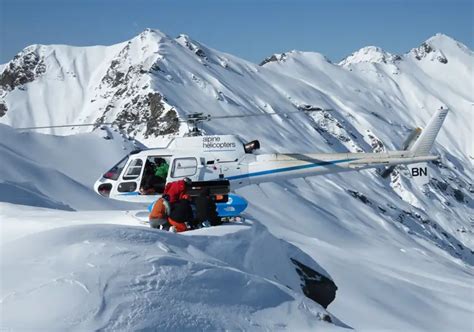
193 121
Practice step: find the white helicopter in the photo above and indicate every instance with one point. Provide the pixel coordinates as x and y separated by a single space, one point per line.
226 163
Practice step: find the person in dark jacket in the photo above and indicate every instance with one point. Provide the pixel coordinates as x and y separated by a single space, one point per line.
206 209
149 179
154 177
181 216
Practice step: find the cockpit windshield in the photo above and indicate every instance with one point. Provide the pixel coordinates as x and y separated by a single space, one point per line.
114 172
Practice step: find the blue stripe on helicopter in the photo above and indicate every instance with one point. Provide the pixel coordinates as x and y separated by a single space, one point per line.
289 169
278 170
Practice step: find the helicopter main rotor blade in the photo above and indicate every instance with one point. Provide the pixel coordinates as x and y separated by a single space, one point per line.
67 126
212 117
86 125
204 118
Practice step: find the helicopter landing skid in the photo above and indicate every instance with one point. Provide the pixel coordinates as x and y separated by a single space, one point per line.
141 216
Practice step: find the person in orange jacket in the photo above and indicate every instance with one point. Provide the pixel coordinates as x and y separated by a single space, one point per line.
160 212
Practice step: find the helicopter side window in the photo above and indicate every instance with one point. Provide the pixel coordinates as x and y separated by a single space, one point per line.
114 172
133 170
155 175
183 167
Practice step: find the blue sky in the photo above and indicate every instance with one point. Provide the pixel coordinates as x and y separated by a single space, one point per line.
250 29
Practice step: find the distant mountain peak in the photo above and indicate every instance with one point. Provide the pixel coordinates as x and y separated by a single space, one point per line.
370 54
440 37
294 54
276 57
153 33
436 47
192 45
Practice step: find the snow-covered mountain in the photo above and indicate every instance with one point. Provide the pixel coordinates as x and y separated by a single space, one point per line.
399 254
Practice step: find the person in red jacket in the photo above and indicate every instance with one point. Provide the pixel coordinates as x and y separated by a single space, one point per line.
176 189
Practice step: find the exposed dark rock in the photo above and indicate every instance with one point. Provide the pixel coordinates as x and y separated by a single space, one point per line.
24 68
325 317
458 195
200 53
376 144
155 67
438 164
442 59
114 76
359 196
447 188
306 107
422 51
443 186
382 209
3 109
167 124
315 286
146 109
273 58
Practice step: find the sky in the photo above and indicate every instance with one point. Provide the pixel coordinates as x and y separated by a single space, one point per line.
251 29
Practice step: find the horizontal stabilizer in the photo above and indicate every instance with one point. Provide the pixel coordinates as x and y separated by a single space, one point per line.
409 141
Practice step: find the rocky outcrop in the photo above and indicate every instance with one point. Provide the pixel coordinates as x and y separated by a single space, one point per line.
425 50
24 68
274 58
3 108
314 285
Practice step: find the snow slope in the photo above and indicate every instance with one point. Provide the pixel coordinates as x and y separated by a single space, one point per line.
401 255
58 171
118 277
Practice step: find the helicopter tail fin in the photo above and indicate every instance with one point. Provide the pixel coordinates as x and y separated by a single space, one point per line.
424 143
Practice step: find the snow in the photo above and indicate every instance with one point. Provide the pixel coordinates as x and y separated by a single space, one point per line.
57 171
400 254
371 54
114 276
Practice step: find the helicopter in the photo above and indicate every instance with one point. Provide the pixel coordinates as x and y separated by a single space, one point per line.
218 159
225 163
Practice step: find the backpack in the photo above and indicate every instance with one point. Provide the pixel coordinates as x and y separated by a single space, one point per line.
175 190
181 211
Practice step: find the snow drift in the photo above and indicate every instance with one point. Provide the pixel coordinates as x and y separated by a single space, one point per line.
121 277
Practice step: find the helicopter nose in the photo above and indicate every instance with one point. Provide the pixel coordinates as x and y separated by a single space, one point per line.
103 187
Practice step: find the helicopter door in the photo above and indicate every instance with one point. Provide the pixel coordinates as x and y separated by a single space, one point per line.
131 177
184 167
